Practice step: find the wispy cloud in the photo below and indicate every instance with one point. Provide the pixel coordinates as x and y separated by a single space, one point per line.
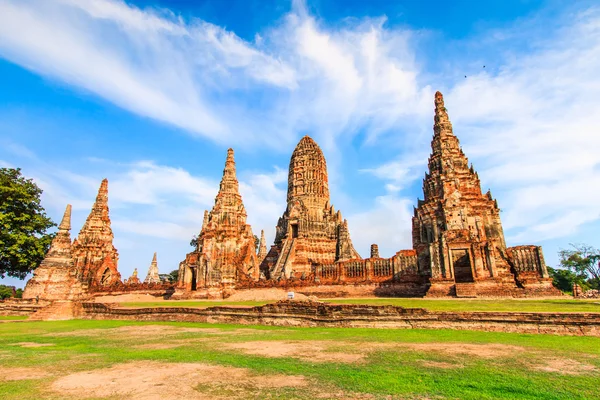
300 75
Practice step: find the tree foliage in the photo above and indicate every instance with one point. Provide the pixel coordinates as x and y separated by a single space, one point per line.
23 225
6 292
194 241
580 264
171 276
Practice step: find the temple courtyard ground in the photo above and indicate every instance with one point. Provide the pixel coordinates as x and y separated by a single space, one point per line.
150 360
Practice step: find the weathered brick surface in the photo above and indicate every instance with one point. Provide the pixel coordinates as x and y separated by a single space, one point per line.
56 278
225 251
310 232
95 255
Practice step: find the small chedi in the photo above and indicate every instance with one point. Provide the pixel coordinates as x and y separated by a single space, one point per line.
56 278
310 232
93 250
225 251
153 276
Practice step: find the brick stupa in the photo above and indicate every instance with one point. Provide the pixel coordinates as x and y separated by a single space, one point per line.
310 232
225 251
56 277
93 251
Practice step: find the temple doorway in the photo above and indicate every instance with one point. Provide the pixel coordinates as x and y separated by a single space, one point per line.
194 278
462 266
294 231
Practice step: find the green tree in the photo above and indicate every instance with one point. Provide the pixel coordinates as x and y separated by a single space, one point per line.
171 276
6 292
256 243
194 241
563 279
23 225
583 260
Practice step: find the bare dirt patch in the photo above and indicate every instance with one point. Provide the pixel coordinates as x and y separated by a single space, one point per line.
305 350
17 374
31 344
263 295
126 298
565 366
155 380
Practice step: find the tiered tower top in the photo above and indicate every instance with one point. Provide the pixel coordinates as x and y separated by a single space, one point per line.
228 209
307 179
448 162
97 225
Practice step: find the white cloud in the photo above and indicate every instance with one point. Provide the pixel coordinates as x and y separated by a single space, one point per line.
387 224
299 77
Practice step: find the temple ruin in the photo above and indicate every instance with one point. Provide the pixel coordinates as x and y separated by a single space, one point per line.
457 232
310 232
93 250
458 242
56 278
225 250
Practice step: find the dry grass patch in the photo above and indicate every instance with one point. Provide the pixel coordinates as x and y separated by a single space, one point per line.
154 380
317 351
488 350
18 373
147 331
31 344
565 366
169 344
440 364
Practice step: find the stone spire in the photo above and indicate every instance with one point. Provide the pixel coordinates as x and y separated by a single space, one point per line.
205 220
455 210
61 244
229 208
262 247
226 250
93 250
447 162
153 275
97 224
56 277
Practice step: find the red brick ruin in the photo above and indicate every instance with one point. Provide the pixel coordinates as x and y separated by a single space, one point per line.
458 242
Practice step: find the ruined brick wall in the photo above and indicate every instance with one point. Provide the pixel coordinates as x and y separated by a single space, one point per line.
296 313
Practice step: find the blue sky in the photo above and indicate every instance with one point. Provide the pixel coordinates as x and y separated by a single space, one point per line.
150 94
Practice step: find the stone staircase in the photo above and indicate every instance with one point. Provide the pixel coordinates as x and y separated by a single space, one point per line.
465 290
57 311
282 265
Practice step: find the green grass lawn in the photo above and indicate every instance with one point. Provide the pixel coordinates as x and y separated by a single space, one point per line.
12 317
553 305
387 363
